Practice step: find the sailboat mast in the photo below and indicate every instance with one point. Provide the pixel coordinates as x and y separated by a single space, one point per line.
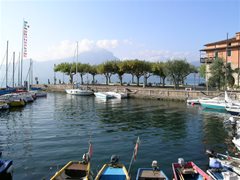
7 66
77 63
13 69
19 61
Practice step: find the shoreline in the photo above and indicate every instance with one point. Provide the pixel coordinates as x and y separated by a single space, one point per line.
158 93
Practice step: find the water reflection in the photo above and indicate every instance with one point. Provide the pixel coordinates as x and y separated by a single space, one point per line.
54 130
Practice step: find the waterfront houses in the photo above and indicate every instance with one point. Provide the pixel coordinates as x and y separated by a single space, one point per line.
227 49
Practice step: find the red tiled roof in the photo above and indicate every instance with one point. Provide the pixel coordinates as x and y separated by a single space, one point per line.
223 41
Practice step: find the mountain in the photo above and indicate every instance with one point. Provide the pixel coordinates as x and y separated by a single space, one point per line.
44 70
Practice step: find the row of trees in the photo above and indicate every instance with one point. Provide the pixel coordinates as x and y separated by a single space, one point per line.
177 70
220 74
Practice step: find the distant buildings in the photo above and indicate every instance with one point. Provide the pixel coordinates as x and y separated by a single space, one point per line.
228 49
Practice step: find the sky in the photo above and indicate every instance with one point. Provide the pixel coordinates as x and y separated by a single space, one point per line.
130 29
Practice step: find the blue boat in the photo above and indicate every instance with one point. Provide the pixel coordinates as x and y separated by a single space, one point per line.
113 171
153 173
5 169
214 103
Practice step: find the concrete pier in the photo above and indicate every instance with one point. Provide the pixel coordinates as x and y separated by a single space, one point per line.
147 92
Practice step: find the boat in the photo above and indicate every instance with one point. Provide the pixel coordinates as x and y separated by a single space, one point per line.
192 101
6 168
113 170
103 95
80 91
236 142
118 95
13 100
188 170
75 170
153 173
214 103
229 101
3 106
222 166
233 110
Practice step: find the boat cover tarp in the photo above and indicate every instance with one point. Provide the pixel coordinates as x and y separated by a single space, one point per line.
4 165
113 174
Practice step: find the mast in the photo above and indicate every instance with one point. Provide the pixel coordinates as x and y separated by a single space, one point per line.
13 69
19 61
7 66
76 64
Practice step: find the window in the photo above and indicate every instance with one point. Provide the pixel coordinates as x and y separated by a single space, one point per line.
229 52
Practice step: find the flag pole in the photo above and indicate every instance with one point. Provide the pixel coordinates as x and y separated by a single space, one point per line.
134 154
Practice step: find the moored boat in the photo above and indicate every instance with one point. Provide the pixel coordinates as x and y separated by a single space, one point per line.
80 91
214 103
103 95
118 95
3 106
153 173
6 168
233 109
113 170
188 170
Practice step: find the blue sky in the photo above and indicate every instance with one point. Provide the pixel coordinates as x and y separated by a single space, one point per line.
150 30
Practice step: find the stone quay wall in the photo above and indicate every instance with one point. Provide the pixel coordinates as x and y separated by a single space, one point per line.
147 92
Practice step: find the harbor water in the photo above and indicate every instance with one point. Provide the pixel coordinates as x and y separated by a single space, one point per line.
43 136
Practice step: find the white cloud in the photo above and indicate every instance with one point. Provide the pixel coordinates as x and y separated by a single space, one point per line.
107 44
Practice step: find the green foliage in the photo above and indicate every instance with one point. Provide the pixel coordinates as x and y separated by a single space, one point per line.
202 71
221 74
107 69
159 69
178 70
66 68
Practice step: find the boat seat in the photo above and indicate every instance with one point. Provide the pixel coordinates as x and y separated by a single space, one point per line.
188 171
75 173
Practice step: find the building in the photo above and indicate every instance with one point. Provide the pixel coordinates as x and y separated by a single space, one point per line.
228 49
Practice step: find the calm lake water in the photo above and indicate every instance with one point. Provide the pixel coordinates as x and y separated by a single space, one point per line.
48 133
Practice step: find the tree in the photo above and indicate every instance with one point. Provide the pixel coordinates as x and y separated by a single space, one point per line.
202 71
121 69
158 69
221 74
93 71
66 68
178 70
82 69
107 69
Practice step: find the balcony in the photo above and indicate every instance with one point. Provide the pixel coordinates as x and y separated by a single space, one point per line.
207 60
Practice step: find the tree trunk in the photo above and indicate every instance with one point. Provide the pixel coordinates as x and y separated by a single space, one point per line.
93 76
109 76
120 78
81 79
132 78
138 80
106 76
71 78
163 81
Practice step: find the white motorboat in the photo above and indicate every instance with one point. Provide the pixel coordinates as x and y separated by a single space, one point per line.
236 142
103 95
214 103
79 91
118 95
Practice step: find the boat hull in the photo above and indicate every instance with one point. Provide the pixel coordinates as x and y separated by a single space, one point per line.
79 92
73 170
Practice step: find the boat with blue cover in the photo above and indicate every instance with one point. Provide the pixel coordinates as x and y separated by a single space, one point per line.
113 171
153 173
6 167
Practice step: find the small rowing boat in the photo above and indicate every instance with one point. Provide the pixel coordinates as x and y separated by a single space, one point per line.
153 173
75 170
188 170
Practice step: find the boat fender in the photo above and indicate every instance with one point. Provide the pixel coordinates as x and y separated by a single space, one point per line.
155 165
114 159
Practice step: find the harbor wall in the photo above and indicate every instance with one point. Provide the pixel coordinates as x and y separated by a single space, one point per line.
147 92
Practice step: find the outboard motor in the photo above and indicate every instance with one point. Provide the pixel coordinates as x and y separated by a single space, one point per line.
155 165
210 153
86 158
181 161
114 159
